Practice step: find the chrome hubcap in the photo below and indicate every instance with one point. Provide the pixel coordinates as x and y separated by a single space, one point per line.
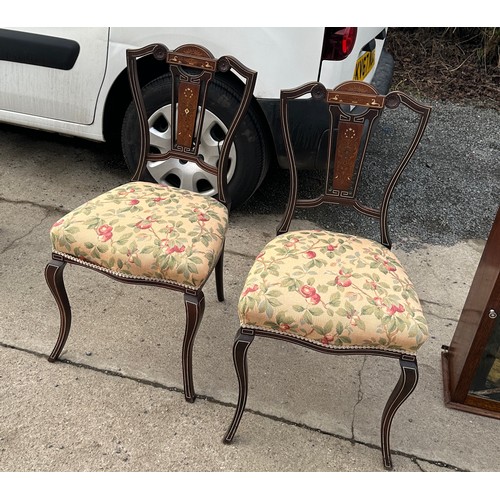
180 173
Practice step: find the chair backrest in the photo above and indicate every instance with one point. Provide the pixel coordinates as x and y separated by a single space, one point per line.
354 108
192 68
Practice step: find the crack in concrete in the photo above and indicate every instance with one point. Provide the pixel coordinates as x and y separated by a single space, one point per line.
25 235
48 208
423 301
454 320
414 459
416 462
359 396
239 254
430 313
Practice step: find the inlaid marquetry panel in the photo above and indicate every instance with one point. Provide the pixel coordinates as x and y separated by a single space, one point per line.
346 152
188 107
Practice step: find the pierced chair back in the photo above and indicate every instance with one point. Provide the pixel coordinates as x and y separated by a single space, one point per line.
192 69
354 109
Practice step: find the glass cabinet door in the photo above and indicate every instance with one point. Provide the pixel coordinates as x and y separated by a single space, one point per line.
486 382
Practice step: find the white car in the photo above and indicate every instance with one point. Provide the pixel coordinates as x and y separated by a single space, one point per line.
73 81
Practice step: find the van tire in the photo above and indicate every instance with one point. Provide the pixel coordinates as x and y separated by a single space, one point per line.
222 101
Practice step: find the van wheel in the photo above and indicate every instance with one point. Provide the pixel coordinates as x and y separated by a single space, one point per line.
248 155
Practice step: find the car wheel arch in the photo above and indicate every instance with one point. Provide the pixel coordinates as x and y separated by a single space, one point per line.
119 96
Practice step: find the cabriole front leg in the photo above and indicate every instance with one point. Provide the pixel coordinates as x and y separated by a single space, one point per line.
195 307
240 347
54 277
405 386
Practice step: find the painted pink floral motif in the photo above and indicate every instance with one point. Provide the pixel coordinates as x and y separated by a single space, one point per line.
202 217
250 289
170 249
310 293
298 286
307 291
147 230
394 309
58 223
125 192
292 242
105 232
145 223
343 279
389 266
175 249
327 338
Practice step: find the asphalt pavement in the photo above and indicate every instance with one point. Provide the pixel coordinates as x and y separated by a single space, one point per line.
114 402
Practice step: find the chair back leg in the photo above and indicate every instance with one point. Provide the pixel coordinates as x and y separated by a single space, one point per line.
195 307
405 386
54 278
240 348
219 277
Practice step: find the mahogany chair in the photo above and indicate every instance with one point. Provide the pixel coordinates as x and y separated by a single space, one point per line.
331 292
149 234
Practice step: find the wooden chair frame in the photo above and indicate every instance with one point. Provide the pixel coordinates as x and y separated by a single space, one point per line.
341 189
192 68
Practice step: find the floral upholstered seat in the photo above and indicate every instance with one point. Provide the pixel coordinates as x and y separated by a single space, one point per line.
146 230
334 289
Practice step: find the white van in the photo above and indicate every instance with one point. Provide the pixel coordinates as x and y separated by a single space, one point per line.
73 81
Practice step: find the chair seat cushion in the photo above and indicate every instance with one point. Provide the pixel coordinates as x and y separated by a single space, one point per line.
333 289
146 230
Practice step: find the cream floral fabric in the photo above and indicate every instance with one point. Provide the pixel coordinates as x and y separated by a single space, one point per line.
147 230
333 289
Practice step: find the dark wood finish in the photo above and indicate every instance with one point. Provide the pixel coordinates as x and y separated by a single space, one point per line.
242 342
343 95
219 277
349 135
188 109
192 68
195 307
405 386
462 357
346 153
347 146
54 278
194 301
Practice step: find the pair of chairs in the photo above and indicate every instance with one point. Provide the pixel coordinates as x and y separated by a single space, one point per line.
333 293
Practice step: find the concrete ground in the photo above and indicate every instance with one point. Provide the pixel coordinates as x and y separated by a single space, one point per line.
114 402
